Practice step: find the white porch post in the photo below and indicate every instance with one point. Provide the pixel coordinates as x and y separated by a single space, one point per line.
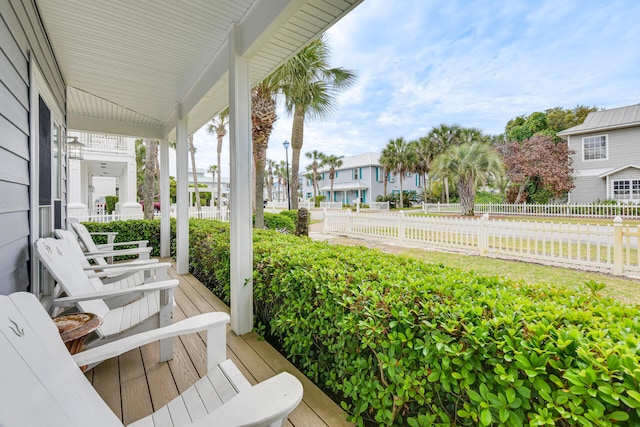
127 196
165 203
75 207
182 195
240 192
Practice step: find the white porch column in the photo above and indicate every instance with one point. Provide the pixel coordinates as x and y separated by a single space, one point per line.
240 192
182 194
127 196
75 207
165 202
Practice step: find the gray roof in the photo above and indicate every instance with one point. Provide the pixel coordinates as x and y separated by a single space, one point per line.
607 119
360 160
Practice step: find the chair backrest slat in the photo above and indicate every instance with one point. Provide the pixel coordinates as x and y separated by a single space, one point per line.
59 259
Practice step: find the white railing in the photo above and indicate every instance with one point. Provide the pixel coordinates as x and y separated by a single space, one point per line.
382 206
204 213
103 143
581 211
606 248
331 205
274 204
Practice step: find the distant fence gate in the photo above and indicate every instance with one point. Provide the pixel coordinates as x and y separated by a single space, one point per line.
605 248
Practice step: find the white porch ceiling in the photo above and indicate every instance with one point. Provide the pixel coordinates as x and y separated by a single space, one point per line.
127 63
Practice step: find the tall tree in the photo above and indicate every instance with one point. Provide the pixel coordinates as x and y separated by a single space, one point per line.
385 164
468 165
442 137
150 177
310 88
271 164
192 152
263 116
401 159
538 163
141 153
316 160
219 126
333 162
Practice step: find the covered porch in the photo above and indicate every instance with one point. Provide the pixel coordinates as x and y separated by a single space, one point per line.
136 383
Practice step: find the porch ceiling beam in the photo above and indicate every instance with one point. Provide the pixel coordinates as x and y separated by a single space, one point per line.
262 21
90 124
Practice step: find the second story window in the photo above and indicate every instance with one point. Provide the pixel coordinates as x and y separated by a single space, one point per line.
355 174
594 148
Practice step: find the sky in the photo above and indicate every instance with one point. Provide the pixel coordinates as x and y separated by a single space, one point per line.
421 63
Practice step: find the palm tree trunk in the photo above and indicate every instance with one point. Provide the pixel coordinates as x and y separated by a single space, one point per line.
401 195
466 190
297 134
149 177
196 190
523 186
219 186
446 188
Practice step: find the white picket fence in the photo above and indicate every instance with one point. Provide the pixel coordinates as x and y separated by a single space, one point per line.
275 204
630 211
204 213
606 248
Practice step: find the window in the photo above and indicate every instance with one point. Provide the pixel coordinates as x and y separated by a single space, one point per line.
626 189
594 148
355 173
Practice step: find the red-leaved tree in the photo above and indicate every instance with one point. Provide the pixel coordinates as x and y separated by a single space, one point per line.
540 162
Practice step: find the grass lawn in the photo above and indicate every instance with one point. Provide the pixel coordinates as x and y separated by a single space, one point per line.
620 288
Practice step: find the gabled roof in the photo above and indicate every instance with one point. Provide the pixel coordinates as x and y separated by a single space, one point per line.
127 64
360 160
615 118
616 170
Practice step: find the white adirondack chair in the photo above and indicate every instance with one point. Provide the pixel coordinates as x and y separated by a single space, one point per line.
109 250
42 385
153 309
115 276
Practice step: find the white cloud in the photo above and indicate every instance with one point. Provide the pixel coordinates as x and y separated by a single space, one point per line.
479 64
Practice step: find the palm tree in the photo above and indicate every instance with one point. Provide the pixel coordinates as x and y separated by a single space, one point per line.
149 188
468 165
400 157
310 88
219 126
271 164
385 163
334 162
263 116
316 160
280 172
442 137
192 151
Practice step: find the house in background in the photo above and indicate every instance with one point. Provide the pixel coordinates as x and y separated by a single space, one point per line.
107 167
607 156
360 178
211 185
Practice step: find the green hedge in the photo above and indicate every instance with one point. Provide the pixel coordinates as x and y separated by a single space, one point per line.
132 230
402 342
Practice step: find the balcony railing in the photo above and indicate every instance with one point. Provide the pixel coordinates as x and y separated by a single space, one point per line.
101 143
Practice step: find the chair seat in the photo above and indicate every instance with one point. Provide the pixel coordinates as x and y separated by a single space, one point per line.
120 319
217 387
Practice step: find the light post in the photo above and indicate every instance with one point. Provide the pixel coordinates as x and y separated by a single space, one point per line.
286 144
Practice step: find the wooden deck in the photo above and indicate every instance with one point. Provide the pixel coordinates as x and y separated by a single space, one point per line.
136 384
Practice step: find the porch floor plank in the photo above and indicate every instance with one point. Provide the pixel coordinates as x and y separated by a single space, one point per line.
136 384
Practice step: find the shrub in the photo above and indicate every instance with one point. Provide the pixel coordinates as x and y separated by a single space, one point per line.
132 230
402 342
280 222
111 203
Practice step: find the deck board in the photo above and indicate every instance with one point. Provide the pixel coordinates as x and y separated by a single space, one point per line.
136 384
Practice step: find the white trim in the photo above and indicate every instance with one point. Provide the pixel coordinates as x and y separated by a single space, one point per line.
620 169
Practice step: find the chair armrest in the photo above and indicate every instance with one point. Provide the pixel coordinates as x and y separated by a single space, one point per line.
132 251
129 269
215 322
103 233
138 243
148 287
125 265
262 404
